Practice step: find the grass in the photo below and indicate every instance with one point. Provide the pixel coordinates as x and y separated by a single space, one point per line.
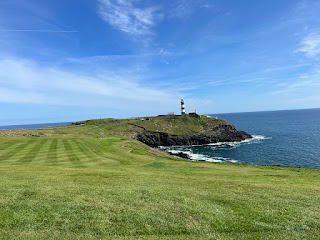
71 187
100 128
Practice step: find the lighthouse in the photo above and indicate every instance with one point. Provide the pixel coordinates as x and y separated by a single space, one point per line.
183 111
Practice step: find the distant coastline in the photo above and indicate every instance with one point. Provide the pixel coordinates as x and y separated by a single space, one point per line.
286 138
33 126
264 111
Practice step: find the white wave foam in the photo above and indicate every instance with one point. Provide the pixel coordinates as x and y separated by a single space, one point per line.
201 157
260 137
254 139
220 145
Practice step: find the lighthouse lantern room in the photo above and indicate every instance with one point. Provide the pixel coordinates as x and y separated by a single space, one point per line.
183 110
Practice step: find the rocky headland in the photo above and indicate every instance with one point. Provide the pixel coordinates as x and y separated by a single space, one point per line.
219 133
170 130
205 131
166 130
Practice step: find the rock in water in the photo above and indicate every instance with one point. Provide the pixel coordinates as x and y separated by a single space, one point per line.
181 155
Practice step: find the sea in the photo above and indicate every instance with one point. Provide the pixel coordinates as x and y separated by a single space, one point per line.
33 126
285 138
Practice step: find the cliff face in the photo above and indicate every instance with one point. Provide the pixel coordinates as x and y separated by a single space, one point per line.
166 130
221 133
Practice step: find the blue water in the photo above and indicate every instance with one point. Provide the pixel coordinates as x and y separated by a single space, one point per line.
33 126
288 138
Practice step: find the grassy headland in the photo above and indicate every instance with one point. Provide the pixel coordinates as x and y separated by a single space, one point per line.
83 182
125 127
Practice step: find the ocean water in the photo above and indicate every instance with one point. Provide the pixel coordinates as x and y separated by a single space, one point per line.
287 138
33 126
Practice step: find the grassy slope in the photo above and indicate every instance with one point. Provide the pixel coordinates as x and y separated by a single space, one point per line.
126 127
80 187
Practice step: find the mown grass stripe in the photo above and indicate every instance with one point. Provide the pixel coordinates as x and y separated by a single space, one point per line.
5 145
62 157
94 148
85 150
104 153
33 152
52 152
8 147
73 158
15 150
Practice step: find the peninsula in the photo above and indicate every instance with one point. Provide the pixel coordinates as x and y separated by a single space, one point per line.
169 130
162 130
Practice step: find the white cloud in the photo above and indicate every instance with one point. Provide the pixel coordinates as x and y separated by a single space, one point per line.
183 8
310 45
25 81
126 17
306 84
8 95
129 17
286 88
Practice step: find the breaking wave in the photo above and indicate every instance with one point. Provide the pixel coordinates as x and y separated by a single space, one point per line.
256 139
188 150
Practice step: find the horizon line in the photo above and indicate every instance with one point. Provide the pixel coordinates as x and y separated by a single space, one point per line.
6 125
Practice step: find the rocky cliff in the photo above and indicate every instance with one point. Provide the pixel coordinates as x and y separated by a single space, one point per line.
166 130
220 133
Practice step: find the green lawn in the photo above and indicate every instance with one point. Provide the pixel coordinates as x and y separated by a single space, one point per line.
99 128
118 188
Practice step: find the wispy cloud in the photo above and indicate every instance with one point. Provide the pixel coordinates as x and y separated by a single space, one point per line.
310 45
183 8
286 88
268 75
307 83
32 17
9 95
25 81
155 53
128 18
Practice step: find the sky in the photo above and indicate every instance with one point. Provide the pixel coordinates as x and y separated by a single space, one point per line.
84 59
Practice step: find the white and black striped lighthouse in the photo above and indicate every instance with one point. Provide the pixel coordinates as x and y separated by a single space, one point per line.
183 110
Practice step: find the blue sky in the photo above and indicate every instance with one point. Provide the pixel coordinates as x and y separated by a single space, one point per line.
79 59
